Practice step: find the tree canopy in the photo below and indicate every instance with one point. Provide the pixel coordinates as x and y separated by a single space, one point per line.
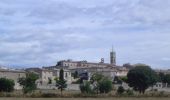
28 82
141 77
6 85
101 83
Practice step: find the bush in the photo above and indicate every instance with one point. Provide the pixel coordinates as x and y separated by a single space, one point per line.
105 85
85 87
120 90
6 85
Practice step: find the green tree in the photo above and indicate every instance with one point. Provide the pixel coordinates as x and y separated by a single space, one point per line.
95 79
141 77
105 85
101 83
28 82
6 85
61 83
124 79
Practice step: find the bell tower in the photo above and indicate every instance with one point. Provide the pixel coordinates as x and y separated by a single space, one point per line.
113 57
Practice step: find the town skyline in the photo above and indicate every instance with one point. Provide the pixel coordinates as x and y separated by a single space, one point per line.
40 33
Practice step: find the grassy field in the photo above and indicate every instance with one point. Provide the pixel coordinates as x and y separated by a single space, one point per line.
84 98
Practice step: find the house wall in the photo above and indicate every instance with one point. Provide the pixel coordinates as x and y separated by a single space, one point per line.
14 75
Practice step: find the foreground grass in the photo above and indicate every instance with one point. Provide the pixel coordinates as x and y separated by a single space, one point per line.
84 98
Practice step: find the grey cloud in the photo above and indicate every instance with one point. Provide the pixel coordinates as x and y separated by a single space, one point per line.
40 32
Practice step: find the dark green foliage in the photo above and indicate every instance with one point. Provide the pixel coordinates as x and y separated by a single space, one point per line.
61 77
120 90
28 82
101 83
105 85
61 83
141 77
167 78
6 85
96 77
75 75
124 79
85 87
164 78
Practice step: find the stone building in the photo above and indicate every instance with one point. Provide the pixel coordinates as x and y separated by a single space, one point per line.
45 75
69 64
13 75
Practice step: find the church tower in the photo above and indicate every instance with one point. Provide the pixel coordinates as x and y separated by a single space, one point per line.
113 57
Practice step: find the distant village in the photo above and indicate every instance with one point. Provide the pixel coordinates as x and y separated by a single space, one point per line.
82 68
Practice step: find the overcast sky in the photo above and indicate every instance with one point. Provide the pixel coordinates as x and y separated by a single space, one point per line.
42 32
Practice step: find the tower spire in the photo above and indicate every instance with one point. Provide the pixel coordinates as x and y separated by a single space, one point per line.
113 56
112 48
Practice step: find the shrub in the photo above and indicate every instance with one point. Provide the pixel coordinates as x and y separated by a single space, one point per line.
105 85
120 90
85 87
6 85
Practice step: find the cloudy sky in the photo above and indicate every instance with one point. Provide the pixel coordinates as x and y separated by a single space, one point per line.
42 32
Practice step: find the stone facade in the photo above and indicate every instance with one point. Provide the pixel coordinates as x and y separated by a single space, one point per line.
46 74
81 64
13 75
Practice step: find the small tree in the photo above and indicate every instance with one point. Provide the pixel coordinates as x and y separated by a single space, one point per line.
61 82
101 83
28 82
105 85
95 79
141 77
6 85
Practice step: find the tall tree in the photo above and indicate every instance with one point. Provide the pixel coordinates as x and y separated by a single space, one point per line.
61 83
141 77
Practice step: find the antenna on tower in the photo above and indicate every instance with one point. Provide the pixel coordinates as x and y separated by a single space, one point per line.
112 48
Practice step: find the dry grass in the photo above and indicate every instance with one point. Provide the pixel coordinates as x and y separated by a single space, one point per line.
84 98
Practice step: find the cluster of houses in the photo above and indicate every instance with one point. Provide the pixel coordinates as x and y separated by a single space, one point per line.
50 73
